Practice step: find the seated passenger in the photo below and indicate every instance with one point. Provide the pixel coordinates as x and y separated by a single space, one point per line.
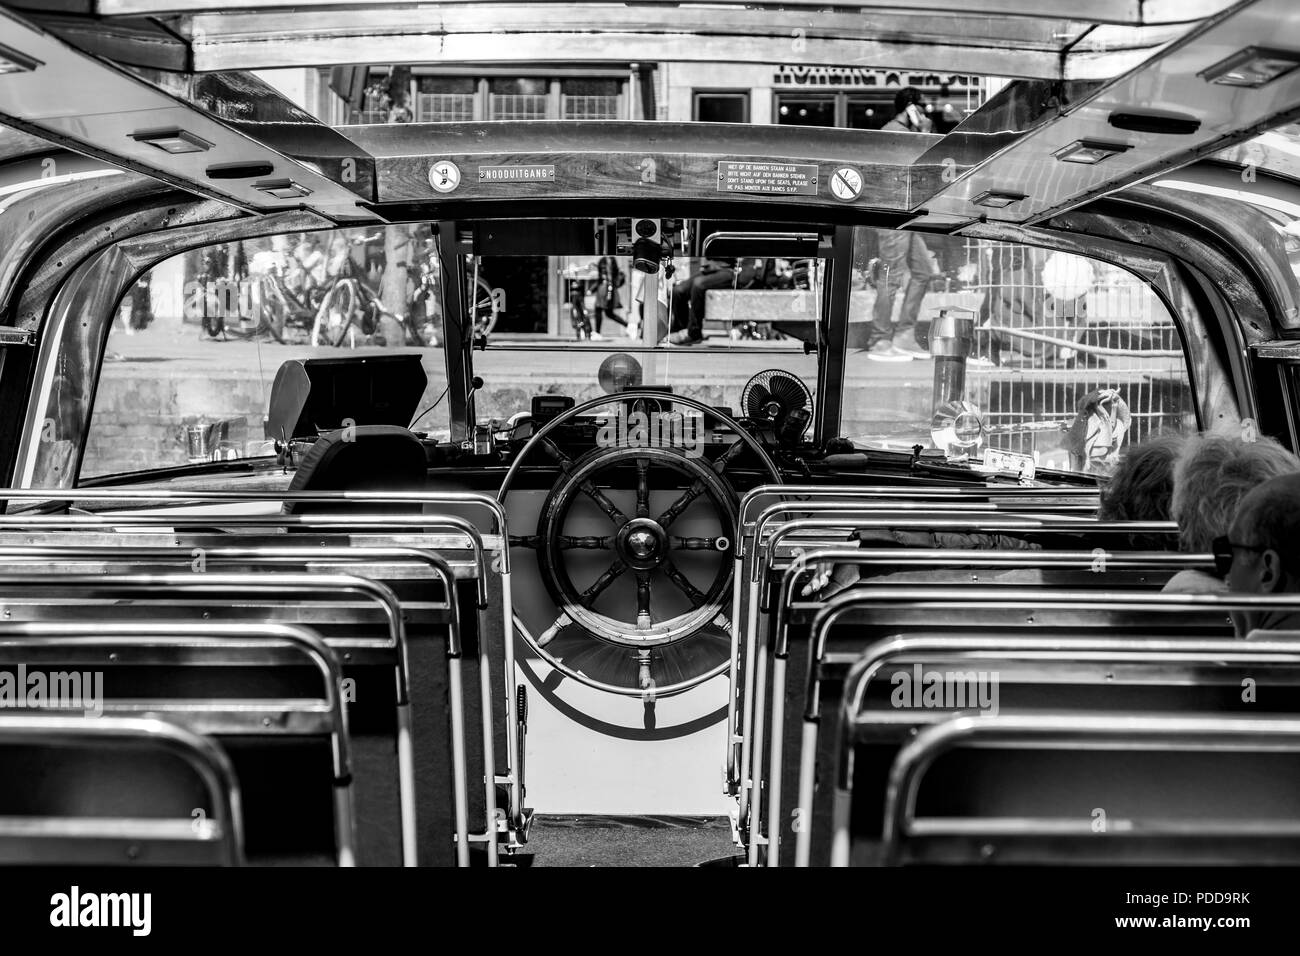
1213 474
1261 552
1142 487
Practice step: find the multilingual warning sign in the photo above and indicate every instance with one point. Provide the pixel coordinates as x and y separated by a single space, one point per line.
796 179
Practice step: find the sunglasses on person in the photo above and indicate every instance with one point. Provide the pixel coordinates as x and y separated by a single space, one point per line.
1224 549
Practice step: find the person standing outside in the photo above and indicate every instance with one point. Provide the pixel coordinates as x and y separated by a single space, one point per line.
905 262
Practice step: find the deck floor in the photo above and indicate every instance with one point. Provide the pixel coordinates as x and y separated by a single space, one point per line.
626 841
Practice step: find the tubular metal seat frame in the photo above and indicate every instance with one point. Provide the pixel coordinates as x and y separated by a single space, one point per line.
1014 601
761 558
1160 841
518 818
100 840
771 654
1150 662
290 589
208 644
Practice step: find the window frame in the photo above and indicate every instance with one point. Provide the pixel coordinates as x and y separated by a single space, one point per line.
745 95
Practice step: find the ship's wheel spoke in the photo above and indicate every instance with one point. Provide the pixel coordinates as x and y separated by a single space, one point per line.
643 487
569 542
726 457
674 510
548 635
602 501
589 489
700 544
552 449
607 577
643 600
675 575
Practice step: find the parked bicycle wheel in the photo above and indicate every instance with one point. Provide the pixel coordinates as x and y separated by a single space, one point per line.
336 315
485 308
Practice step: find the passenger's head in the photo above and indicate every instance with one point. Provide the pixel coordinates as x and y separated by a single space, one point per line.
1212 475
1142 486
906 97
1264 542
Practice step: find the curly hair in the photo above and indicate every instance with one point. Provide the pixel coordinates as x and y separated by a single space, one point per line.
1142 486
1213 473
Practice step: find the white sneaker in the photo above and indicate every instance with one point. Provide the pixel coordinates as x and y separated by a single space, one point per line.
633 328
887 352
597 337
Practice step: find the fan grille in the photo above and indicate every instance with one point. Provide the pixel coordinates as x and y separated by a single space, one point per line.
777 386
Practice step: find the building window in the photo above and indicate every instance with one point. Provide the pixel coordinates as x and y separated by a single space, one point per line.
591 99
721 107
804 110
517 99
464 98
444 99
861 110
870 112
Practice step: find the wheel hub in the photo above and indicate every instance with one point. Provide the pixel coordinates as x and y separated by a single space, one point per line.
642 544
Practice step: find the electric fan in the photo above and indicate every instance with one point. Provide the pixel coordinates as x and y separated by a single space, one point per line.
779 400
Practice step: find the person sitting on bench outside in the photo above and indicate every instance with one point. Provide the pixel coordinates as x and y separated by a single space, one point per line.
689 296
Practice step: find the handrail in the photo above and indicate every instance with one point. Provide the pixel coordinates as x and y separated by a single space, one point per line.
851 507
1140 650
1015 598
890 492
976 526
23 522
270 555
474 498
954 557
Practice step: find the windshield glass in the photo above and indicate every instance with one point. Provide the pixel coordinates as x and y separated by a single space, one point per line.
194 350
583 326
965 345
956 345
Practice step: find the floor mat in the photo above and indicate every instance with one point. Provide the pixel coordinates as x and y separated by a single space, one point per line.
626 841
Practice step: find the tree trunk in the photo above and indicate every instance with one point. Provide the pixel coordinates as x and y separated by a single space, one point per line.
398 250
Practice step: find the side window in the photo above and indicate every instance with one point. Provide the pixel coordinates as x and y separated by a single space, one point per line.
722 106
1064 358
194 349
